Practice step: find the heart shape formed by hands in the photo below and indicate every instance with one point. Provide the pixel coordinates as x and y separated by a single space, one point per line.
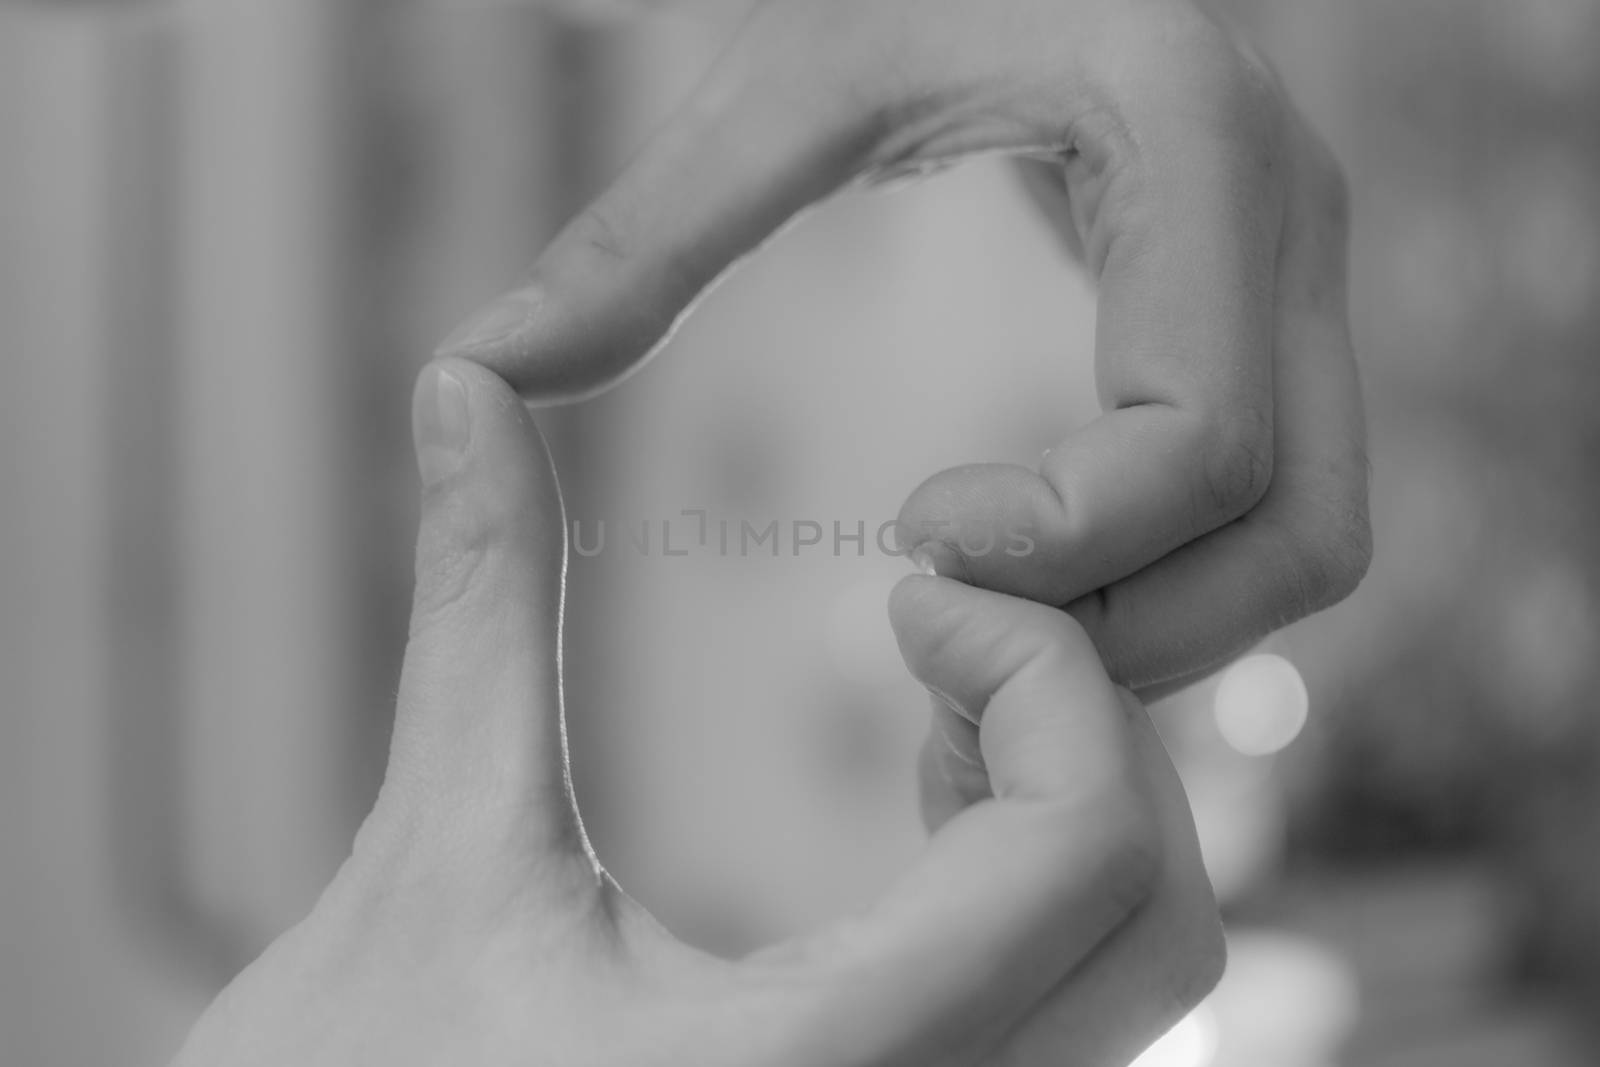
1060 908
1061 912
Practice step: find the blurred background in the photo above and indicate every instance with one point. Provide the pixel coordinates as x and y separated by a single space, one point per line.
230 232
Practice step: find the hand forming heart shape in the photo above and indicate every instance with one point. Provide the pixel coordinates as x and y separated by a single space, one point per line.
1062 912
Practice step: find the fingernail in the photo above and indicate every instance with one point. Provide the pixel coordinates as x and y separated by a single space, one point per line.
939 560
443 425
491 325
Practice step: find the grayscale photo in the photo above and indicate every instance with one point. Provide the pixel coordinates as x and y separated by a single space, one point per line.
800 533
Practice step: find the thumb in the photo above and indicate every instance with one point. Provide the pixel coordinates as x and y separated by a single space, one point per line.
1016 891
1025 678
479 740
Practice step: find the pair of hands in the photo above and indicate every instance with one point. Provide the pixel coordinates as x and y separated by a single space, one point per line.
1060 913
1060 909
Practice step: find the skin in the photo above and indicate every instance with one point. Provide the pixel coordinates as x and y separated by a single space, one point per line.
1223 492
1059 914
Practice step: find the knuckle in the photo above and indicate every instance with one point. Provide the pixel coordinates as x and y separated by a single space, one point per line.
1346 554
608 232
1187 52
452 551
1326 564
1236 457
1242 98
605 244
1190 66
1355 554
1130 858
1130 873
602 233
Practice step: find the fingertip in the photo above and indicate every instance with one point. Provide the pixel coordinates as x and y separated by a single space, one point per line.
491 328
481 381
489 487
499 419
996 525
919 609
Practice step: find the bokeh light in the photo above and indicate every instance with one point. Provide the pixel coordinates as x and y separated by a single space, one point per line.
1261 705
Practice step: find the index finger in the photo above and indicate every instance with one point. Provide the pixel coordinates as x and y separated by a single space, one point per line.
761 137
1168 137
810 96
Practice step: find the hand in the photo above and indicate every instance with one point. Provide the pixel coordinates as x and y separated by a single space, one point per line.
1224 492
1066 919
